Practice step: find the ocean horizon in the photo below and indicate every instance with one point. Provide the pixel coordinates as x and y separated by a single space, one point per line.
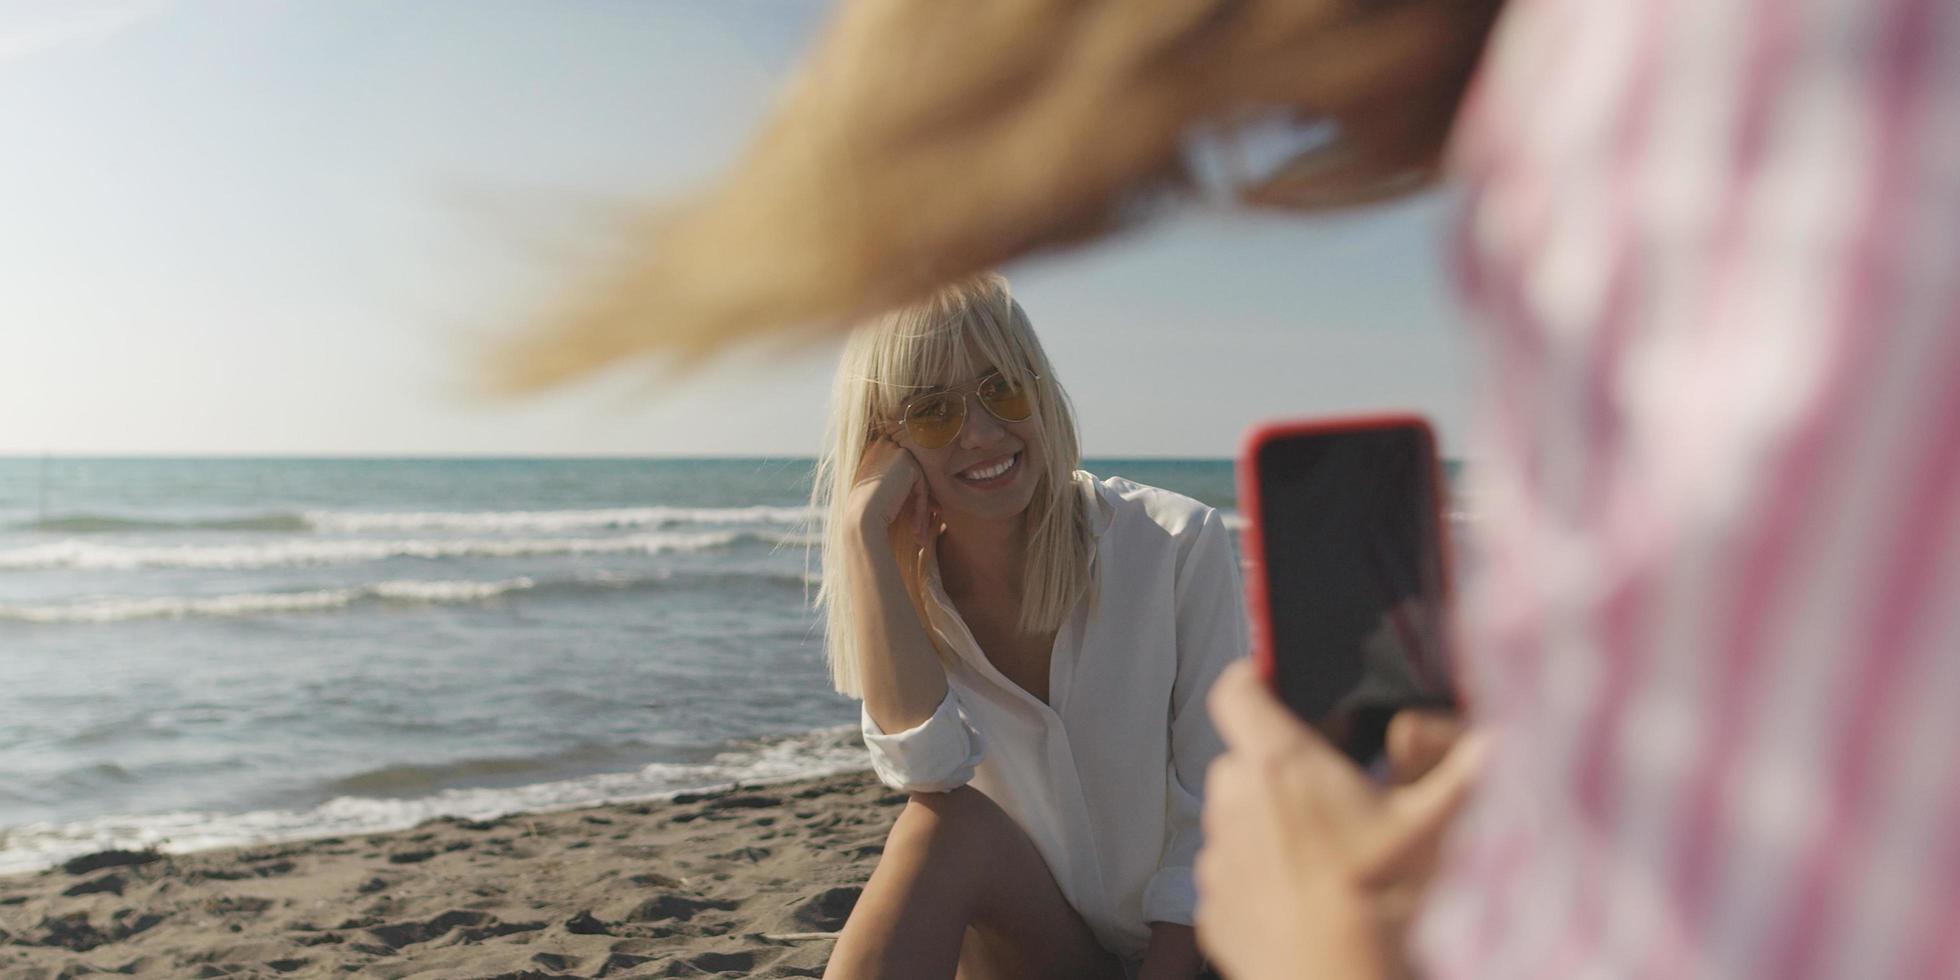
210 650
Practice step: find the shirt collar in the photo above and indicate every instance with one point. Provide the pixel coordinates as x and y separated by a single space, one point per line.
1099 501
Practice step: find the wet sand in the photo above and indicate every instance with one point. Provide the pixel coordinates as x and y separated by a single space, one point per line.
748 882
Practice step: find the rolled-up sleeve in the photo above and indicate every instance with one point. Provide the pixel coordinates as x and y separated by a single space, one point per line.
936 756
1211 633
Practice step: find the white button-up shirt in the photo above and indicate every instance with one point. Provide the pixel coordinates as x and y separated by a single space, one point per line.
1107 777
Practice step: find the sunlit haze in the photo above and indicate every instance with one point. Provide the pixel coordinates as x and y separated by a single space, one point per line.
266 227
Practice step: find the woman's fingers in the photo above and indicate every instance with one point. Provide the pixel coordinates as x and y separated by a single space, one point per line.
905 460
1307 777
927 524
1251 719
1417 740
1290 824
1301 766
889 478
878 457
1415 816
921 510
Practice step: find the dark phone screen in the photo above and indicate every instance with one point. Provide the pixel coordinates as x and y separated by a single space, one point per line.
1354 579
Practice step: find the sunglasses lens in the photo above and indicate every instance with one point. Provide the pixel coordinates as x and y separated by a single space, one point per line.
1008 401
934 420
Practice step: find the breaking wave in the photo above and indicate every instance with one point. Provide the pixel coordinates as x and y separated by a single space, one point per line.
114 609
376 808
492 521
89 555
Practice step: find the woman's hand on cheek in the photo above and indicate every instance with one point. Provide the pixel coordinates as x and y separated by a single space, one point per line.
893 503
1308 868
888 478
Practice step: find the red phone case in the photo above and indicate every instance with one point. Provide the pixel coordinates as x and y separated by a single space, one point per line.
1253 542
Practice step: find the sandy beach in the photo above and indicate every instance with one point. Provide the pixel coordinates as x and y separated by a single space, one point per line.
744 882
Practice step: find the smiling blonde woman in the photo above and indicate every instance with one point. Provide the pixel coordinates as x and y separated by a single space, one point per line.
1032 646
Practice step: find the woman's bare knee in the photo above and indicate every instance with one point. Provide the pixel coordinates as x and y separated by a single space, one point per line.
961 836
955 863
961 817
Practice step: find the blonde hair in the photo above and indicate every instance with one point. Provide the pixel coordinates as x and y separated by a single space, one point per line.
927 141
933 343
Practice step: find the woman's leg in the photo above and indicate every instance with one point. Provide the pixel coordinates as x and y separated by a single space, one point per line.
961 888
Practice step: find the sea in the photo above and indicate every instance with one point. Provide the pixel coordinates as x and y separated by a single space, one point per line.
207 652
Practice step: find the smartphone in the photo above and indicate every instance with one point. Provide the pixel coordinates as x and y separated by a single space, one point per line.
1347 572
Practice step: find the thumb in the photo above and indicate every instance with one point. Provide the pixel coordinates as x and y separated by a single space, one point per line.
1250 719
1417 740
1417 814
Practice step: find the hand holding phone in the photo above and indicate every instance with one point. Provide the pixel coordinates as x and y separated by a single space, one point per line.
1347 573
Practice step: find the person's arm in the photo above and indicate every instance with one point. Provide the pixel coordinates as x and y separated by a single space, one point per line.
1211 634
1172 953
903 682
1309 868
912 724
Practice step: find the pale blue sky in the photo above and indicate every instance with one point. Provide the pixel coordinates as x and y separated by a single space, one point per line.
259 226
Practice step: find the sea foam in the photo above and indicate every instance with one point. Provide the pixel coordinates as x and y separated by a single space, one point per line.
114 609
550 520
468 521
91 555
30 847
111 609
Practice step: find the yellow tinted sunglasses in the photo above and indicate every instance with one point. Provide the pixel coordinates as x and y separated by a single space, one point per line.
934 419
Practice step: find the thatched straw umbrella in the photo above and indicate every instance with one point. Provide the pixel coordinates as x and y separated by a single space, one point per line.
926 140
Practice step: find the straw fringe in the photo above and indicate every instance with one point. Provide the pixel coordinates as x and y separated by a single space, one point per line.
926 141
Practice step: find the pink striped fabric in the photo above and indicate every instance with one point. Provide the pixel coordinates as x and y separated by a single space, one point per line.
1715 247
